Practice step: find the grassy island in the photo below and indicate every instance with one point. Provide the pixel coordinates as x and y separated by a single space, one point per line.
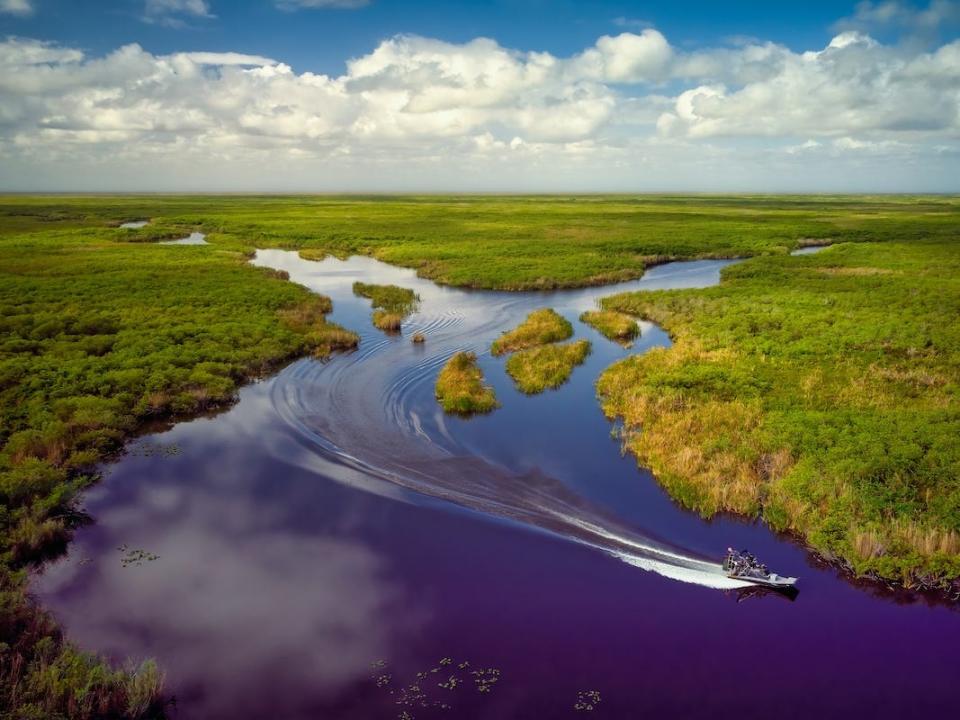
549 366
817 392
460 389
392 304
612 325
541 327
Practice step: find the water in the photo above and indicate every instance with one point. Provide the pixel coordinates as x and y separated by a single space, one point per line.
809 250
135 224
194 238
334 528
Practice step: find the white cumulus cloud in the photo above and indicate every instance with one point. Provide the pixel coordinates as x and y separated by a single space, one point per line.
16 7
482 113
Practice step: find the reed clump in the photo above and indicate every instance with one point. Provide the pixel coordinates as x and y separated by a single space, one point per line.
460 388
387 321
549 366
330 337
540 327
391 304
309 318
613 325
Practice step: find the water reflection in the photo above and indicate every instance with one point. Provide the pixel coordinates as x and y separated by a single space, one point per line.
809 250
194 238
236 590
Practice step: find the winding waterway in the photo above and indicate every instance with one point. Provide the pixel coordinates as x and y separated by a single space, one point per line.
309 551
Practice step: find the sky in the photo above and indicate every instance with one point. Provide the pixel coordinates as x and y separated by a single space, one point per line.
482 96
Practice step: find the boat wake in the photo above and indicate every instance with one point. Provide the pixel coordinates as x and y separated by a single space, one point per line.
427 469
369 419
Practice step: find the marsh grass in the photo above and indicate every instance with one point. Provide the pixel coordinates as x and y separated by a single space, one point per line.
42 676
540 327
392 304
460 389
548 366
387 321
826 401
97 336
793 394
612 325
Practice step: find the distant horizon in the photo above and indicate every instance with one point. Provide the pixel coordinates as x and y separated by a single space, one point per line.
536 96
473 193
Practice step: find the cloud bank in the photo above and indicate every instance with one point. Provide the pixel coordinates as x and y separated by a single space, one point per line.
20 8
632 111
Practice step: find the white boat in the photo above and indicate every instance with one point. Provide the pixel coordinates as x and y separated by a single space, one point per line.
744 566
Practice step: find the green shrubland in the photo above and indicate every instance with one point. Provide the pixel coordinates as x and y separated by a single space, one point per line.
818 392
516 242
97 336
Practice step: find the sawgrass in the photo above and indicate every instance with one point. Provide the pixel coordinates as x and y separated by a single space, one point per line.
548 366
541 326
612 325
460 389
392 304
817 392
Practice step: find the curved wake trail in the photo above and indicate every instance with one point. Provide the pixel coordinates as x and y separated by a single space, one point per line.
362 419
532 500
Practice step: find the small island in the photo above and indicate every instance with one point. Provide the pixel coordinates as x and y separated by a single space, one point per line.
616 326
460 389
549 366
391 304
541 326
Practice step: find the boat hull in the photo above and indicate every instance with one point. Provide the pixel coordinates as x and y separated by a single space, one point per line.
779 582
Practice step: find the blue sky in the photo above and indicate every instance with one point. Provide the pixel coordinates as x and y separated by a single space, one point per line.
321 39
497 95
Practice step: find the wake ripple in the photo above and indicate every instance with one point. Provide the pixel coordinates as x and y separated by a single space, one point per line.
357 418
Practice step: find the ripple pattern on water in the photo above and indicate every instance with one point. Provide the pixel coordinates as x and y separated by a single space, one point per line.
372 411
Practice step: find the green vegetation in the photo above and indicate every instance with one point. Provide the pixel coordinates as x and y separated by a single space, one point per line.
43 677
531 242
541 326
97 336
549 366
392 304
460 389
818 392
612 325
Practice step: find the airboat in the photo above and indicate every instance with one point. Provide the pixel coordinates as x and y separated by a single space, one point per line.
743 565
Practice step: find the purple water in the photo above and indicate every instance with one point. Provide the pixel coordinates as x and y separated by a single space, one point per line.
333 534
